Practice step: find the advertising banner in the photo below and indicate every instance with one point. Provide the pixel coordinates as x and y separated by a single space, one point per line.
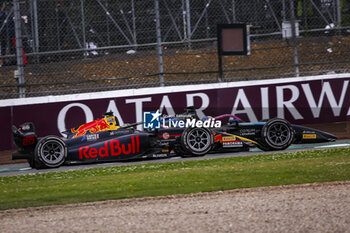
318 99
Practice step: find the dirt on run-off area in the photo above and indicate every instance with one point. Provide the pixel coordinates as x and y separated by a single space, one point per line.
318 207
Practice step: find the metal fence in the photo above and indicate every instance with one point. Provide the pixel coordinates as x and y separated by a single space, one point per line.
51 47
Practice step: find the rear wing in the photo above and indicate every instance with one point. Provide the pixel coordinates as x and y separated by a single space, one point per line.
25 137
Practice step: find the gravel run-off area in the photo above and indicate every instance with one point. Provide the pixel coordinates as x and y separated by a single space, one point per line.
317 207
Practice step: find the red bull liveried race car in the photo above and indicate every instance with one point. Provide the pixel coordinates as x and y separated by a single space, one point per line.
104 140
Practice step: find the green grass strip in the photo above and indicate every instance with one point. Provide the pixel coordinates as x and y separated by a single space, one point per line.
157 179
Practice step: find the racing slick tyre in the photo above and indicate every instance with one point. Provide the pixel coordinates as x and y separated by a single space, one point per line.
51 151
276 134
196 142
263 147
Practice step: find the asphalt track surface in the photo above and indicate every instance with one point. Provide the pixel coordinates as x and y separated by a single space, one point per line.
23 168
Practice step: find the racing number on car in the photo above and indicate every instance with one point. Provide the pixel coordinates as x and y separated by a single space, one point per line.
28 140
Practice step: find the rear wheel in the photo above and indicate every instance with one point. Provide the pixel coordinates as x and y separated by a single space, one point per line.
196 142
50 151
276 134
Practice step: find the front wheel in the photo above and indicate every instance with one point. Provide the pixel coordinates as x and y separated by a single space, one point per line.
196 141
276 134
51 151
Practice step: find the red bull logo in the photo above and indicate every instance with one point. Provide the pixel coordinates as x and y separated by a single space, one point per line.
218 138
92 127
111 148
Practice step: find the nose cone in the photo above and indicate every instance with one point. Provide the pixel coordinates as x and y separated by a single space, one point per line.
330 137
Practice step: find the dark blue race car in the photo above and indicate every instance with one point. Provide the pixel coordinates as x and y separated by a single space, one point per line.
105 140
